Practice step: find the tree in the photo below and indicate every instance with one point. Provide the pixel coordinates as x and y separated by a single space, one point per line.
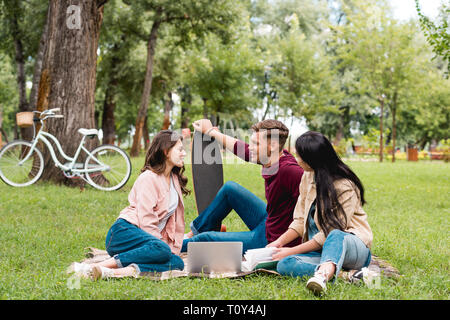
23 37
427 118
8 97
345 106
271 23
167 74
437 32
277 15
68 75
116 71
193 18
382 50
222 75
300 75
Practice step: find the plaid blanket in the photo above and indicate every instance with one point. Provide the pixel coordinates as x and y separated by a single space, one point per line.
377 266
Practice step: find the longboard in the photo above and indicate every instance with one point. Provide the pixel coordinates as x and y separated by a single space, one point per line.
207 171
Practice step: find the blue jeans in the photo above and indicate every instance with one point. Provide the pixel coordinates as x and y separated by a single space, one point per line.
344 249
130 245
250 208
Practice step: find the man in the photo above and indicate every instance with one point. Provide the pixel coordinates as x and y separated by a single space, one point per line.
282 176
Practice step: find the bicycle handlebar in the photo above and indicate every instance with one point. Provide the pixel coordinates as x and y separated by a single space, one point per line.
52 116
48 112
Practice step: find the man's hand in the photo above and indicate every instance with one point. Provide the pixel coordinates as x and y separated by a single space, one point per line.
202 125
205 126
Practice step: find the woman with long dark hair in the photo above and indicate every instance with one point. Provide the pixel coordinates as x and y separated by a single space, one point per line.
328 216
148 234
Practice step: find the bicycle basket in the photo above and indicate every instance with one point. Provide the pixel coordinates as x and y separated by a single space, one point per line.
24 119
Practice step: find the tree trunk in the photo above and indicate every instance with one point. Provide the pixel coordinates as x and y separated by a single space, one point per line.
217 119
142 113
339 135
5 135
205 108
381 129
393 134
394 125
1 128
68 76
146 134
108 121
16 131
266 95
109 105
21 78
344 119
186 101
2 131
38 66
25 133
168 105
267 109
184 115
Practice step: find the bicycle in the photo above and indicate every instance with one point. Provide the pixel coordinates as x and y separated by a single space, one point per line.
106 168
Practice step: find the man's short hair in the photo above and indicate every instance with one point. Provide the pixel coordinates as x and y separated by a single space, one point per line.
273 128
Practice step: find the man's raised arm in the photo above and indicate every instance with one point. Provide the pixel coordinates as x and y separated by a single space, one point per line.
205 126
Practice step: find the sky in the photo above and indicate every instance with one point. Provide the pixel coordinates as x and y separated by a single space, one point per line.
406 9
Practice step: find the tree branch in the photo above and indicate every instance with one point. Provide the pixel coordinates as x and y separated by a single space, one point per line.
168 19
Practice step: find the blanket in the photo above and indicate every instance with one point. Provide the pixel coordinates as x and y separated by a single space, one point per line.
377 266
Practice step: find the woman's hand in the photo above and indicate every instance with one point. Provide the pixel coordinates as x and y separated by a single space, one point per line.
274 244
280 253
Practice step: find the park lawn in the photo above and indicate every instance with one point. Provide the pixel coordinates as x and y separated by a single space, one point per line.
43 228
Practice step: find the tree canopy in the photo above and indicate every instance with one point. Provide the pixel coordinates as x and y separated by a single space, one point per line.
347 68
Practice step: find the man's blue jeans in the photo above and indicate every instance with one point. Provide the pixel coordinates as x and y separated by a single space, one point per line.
250 208
130 245
344 249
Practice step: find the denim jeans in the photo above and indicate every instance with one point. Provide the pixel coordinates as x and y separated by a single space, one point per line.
250 208
344 249
130 245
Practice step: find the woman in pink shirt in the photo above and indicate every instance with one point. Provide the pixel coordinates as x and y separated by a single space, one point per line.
148 234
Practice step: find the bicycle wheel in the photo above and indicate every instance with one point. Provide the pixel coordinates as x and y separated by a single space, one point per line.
16 174
116 173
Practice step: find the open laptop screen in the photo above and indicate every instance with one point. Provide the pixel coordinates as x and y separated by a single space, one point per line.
214 257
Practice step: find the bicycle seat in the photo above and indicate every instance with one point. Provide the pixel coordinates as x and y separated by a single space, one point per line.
88 132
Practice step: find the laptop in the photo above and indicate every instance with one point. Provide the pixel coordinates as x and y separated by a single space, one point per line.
214 257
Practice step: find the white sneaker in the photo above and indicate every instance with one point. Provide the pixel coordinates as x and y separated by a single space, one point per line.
356 276
317 284
81 269
100 272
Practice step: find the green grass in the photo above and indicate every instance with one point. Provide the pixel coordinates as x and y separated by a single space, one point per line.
43 228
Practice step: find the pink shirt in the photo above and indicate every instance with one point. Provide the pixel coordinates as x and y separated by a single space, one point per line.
149 202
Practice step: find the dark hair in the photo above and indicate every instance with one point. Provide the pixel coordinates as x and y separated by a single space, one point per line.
316 150
155 159
269 125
